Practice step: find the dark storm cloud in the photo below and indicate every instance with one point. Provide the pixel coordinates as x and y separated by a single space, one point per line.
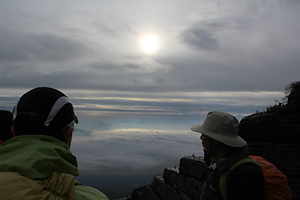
204 35
130 75
200 38
16 47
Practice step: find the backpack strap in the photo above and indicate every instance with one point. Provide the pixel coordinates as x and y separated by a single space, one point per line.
223 177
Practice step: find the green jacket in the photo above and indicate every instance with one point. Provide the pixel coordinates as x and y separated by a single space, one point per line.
41 167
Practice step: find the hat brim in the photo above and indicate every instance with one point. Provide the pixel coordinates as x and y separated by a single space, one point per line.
230 141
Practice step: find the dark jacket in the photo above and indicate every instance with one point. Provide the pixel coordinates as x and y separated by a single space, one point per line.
244 183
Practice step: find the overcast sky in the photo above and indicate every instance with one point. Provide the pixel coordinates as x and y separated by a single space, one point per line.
235 56
203 45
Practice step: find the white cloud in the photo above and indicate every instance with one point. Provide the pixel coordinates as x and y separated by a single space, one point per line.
133 150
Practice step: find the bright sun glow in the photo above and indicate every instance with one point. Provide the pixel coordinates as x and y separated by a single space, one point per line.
149 43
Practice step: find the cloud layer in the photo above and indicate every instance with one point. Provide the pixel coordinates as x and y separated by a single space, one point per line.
205 46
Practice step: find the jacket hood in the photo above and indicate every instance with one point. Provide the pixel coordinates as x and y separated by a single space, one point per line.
37 156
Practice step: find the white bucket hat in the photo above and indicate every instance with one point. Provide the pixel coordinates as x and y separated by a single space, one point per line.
222 127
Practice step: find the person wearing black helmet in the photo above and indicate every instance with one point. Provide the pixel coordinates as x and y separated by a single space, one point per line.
37 162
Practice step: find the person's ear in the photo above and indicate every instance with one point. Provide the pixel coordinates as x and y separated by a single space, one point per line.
68 135
13 131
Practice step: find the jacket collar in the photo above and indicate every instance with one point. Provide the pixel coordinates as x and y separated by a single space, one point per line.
226 162
37 156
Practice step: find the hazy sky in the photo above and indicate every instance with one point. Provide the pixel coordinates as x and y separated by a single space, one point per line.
235 56
203 45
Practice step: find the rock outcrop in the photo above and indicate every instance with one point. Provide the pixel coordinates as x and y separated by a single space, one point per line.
181 183
275 135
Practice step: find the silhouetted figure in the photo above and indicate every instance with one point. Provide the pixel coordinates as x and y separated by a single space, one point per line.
222 144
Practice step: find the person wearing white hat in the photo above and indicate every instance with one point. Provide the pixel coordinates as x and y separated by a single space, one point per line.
223 148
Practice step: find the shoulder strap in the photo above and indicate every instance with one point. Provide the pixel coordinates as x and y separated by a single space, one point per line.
223 177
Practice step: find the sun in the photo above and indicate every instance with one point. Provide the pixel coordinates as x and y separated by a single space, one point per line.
149 43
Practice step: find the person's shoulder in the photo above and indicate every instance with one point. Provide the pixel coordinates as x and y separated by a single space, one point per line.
247 170
88 193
